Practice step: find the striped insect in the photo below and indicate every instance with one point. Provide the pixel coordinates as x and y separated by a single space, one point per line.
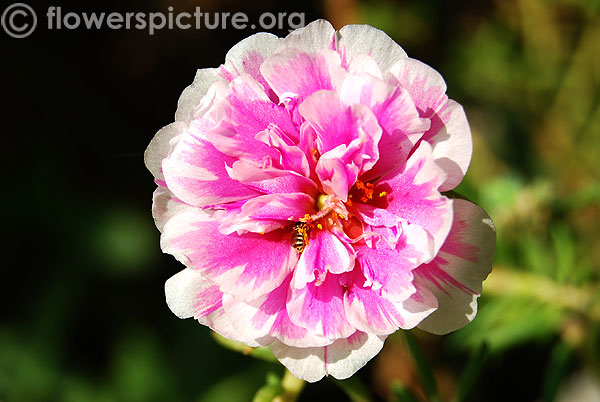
300 236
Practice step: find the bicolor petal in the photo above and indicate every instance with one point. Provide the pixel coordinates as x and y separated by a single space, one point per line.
196 172
412 194
449 133
319 307
246 266
355 40
189 295
341 359
325 253
456 274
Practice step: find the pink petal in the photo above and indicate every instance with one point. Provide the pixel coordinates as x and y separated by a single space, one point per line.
336 123
296 75
266 213
267 318
354 40
189 294
412 194
196 173
341 359
320 308
271 180
388 269
248 55
347 139
396 113
368 311
335 175
244 266
325 253
456 274
375 216
292 156
246 112
449 134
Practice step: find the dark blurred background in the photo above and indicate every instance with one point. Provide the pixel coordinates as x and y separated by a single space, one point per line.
83 316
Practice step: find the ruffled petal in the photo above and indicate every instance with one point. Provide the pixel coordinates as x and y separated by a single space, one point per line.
265 213
396 113
452 143
456 274
196 173
247 56
165 206
347 137
160 146
388 269
325 253
368 310
267 318
295 75
271 180
412 194
336 123
320 308
356 40
244 113
191 97
341 359
245 266
292 157
449 133
316 36
189 294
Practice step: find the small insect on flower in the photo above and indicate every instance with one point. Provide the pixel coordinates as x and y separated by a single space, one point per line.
300 236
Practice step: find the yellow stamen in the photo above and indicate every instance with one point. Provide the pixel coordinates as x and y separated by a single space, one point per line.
320 226
382 194
366 190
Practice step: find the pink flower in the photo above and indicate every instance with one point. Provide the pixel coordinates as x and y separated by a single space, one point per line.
342 132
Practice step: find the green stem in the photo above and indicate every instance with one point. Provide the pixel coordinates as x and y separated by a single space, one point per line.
292 387
263 353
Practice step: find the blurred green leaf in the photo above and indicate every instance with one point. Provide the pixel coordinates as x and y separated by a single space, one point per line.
505 322
402 393
124 241
139 373
564 252
557 367
354 388
423 368
238 387
24 374
270 390
471 372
